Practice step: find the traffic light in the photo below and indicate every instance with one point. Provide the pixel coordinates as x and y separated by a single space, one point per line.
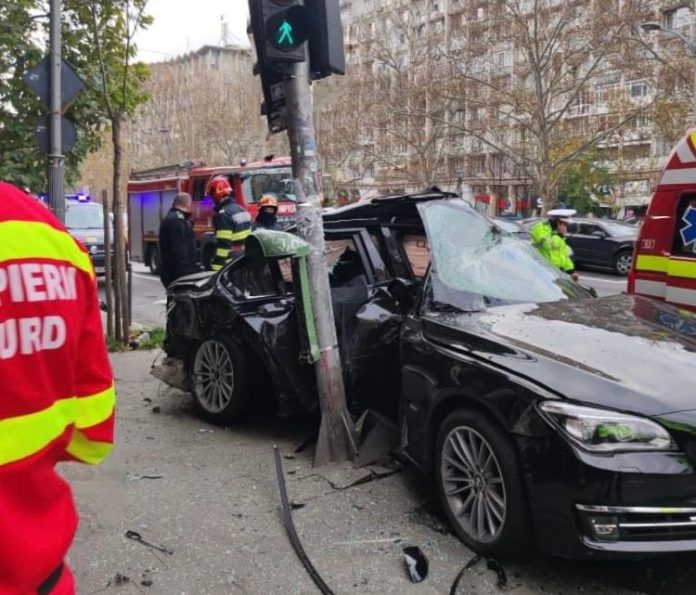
280 29
326 54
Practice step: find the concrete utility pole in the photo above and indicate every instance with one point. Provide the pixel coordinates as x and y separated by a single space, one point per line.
337 437
56 169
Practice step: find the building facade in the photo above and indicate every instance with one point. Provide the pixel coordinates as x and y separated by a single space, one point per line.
507 96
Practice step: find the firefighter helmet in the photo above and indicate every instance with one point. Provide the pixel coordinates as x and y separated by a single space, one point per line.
268 201
218 188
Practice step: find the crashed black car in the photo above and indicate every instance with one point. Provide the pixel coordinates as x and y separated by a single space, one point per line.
547 416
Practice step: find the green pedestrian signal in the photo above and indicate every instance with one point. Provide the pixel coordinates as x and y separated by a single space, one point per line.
287 30
285 34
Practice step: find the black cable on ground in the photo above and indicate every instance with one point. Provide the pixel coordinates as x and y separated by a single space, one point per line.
491 564
292 532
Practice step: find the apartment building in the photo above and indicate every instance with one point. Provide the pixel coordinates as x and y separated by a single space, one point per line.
448 92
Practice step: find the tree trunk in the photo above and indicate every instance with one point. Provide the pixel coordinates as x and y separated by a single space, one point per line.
108 269
122 315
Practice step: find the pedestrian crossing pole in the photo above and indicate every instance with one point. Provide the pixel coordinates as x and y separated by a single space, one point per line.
56 168
337 436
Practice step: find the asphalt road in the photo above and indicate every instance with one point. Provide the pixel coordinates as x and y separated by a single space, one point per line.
604 284
149 298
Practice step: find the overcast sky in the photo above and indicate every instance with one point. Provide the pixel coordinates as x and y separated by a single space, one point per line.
182 26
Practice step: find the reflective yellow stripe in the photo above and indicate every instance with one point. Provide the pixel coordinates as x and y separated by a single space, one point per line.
95 409
682 268
26 240
224 234
25 435
241 235
86 450
657 264
663 264
216 267
222 252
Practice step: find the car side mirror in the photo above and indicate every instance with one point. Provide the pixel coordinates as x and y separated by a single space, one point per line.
404 291
599 234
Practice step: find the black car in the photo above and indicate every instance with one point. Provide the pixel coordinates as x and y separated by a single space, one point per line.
546 416
85 222
602 243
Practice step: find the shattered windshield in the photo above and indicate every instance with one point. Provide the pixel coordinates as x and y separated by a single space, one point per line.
475 264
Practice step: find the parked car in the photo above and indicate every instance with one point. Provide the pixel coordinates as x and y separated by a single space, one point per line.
85 222
545 416
513 227
602 243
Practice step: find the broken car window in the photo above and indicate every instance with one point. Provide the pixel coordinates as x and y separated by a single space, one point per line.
251 278
476 264
344 263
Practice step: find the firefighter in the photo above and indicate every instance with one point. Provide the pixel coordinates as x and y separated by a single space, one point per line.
548 237
232 223
58 391
177 242
268 213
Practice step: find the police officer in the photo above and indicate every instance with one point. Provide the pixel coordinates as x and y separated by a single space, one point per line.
232 223
268 213
549 238
57 391
177 242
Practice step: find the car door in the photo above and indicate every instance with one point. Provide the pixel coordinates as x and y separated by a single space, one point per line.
367 319
585 246
263 295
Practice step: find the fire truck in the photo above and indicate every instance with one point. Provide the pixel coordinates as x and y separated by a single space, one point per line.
151 192
664 264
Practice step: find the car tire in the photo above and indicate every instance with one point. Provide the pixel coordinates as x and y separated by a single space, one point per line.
153 259
480 486
623 262
219 380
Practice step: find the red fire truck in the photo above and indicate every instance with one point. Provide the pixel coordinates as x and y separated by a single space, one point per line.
151 192
664 264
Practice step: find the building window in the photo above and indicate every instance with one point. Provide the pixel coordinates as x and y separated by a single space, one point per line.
637 89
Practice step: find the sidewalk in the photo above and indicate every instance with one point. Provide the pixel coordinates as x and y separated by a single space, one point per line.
210 495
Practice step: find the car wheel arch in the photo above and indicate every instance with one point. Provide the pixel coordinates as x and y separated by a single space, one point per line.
452 401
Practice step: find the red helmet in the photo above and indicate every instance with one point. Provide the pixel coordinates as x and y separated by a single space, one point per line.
218 188
268 201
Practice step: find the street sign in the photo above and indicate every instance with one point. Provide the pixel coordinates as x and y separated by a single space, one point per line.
42 136
38 79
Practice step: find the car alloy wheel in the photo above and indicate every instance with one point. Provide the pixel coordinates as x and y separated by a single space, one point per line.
480 485
473 484
219 380
623 263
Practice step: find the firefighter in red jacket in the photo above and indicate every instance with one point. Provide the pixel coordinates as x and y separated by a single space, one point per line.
57 391
232 223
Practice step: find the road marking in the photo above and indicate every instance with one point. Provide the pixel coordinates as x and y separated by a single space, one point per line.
603 279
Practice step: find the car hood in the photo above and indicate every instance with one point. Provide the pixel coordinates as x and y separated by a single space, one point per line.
624 352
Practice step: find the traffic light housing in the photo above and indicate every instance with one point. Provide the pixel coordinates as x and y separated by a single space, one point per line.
326 53
280 29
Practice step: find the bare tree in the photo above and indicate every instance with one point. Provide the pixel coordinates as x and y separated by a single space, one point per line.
543 81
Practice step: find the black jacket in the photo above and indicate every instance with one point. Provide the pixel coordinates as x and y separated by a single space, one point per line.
177 247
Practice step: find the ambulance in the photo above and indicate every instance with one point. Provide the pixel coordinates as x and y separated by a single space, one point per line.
664 263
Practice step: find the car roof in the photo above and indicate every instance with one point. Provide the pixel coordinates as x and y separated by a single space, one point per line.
391 208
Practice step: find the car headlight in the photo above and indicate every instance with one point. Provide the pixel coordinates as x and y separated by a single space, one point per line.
600 430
